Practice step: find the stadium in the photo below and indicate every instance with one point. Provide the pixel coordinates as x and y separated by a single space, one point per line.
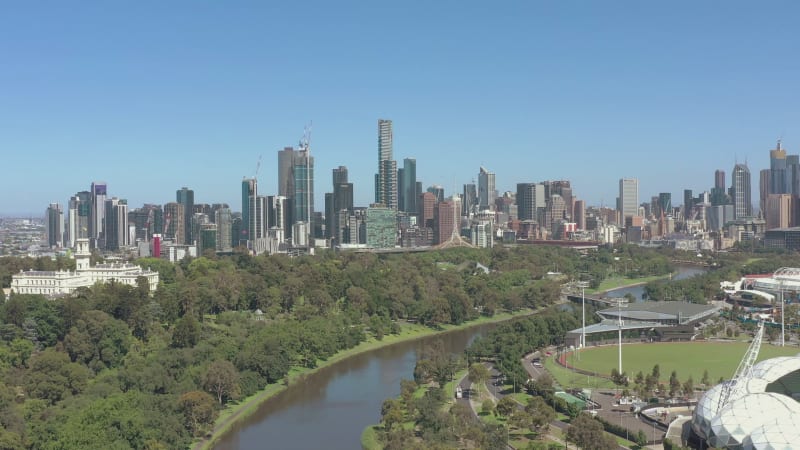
761 413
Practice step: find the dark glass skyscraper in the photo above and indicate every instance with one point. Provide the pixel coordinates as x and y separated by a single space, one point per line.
740 190
185 197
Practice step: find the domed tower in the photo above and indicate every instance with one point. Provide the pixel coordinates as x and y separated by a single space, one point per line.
82 254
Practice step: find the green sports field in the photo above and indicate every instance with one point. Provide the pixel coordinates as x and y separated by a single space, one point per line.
689 358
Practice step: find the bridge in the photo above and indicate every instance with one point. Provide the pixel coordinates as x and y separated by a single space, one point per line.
596 300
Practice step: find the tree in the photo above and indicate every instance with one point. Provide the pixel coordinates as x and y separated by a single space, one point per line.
506 406
541 413
53 377
641 439
222 379
407 389
674 384
520 419
391 413
478 373
487 407
588 433
688 387
186 332
705 381
199 410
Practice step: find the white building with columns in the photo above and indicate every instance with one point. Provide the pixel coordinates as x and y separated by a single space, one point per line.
64 282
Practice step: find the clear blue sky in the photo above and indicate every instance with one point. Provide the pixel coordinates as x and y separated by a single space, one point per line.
151 96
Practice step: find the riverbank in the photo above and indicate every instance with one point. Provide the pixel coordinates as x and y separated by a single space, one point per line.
611 284
246 407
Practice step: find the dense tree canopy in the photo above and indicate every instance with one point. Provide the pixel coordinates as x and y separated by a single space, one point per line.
115 367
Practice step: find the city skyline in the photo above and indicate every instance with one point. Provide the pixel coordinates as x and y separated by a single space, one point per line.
195 102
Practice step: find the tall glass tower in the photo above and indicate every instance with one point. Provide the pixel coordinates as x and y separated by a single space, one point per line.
740 188
185 197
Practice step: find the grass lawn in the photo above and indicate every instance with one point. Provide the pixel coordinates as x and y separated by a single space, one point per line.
686 358
569 379
369 438
618 282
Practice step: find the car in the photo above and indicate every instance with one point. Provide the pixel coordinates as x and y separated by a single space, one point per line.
537 364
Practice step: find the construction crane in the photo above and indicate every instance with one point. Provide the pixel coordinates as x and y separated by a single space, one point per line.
258 166
733 388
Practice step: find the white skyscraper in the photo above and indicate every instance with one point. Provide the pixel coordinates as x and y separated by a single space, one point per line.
628 197
486 189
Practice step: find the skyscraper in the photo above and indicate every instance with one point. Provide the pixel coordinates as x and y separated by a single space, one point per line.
665 203
688 204
340 175
486 189
408 181
116 224
580 214
530 198
740 190
386 178
98 190
285 168
55 225
80 213
303 180
469 200
185 197
777 169
764 188
249 194
628 198
719 179
174 222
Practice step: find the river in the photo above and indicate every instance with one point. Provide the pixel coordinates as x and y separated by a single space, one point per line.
637 291
331 407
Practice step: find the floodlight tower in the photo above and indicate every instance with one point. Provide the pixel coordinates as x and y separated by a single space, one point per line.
785 274
620 302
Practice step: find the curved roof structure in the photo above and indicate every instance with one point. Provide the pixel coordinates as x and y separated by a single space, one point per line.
766 414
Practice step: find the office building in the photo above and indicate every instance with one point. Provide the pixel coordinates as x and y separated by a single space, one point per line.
185 197
580 214
469 200
719 179
628 198
688 204
388 184
340 175
426 209
446 220
98 190
249 193
207 238
174 222
764 188
779 211
530 199
386 178
116 224
80 215
438 192
303 179
285 169
665 204
55 226
381 224
777 169
741 193
223 218
487 192
407 186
